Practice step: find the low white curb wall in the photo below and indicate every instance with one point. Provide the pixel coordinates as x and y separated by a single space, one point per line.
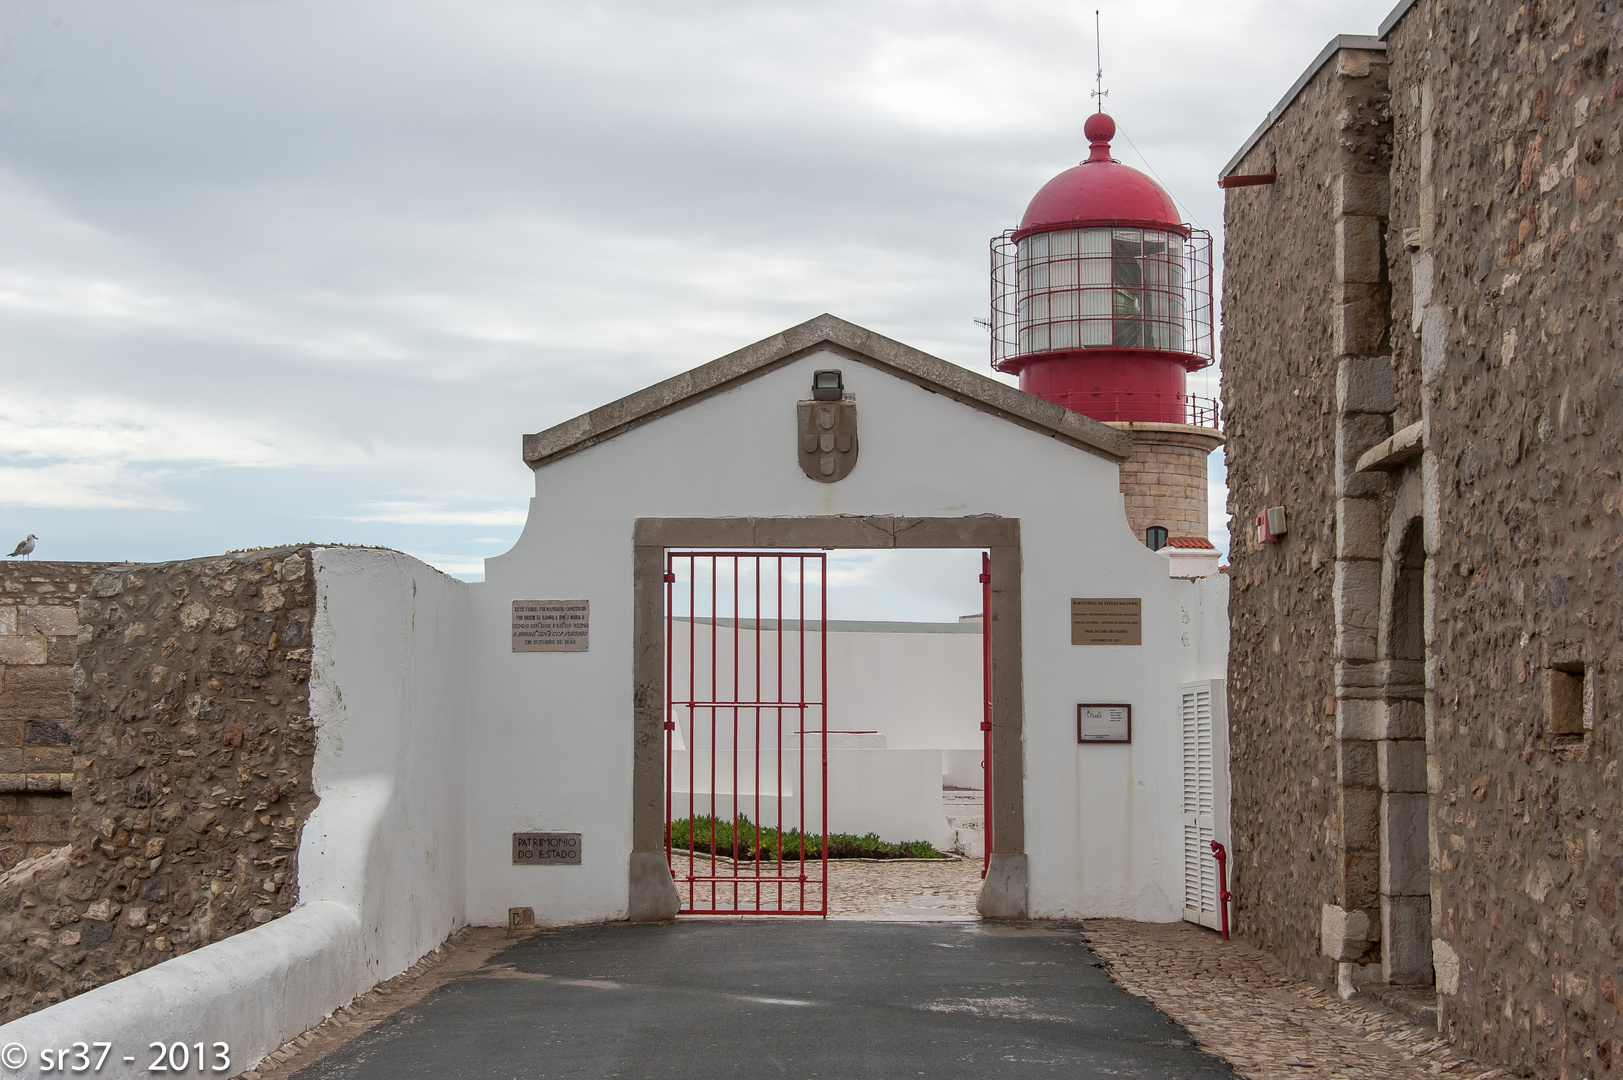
252 992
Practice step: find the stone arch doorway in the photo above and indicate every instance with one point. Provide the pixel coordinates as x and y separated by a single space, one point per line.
1401 752
653 895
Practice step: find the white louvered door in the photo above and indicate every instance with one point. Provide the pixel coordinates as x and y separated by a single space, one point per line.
1204 796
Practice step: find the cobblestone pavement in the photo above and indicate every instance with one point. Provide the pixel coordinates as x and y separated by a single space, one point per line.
1238 1004
911 891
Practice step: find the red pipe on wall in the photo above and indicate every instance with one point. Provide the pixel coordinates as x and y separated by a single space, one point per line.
1223 894
986 711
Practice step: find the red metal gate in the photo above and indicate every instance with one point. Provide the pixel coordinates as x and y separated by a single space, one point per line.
746 731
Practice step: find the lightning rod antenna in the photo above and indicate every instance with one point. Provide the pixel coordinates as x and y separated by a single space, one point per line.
1099 91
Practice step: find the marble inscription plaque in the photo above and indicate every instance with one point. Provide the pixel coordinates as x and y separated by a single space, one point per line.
1106 620
550 625
546 849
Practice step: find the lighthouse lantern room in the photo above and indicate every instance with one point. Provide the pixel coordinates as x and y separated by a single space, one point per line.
1102 303
1102 298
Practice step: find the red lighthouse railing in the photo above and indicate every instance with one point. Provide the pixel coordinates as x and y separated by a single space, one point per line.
1124 405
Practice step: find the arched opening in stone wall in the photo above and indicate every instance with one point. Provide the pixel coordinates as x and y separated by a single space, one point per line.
1405 885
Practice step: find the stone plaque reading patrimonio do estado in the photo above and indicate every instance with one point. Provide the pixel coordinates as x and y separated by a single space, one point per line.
546 849
1107 620
550 625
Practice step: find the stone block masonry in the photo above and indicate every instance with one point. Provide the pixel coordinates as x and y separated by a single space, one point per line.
39 625
1164 482
1511 203
190 748
1299 291
1469 504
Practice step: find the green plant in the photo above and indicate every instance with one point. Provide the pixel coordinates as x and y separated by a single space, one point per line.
739 838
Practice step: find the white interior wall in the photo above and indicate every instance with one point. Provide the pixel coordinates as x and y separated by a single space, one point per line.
920 688
550 747
917 686
895 793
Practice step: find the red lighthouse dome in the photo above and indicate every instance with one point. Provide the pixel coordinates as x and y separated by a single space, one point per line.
1102 297
1100 189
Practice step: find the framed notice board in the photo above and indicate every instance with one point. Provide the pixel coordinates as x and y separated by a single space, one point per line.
1104 723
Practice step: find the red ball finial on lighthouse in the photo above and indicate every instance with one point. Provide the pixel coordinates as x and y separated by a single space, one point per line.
1099 129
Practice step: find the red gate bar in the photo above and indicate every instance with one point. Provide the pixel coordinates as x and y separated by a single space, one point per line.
986 711
720 877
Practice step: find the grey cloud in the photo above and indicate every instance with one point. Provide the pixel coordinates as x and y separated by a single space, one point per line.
386 239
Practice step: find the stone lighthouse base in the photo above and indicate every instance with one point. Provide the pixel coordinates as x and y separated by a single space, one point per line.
1164 482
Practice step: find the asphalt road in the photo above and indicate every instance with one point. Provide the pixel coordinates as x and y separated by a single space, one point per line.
808 1000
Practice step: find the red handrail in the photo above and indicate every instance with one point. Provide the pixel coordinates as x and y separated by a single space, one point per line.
1223 894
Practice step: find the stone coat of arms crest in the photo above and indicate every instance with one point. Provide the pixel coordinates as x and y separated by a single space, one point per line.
827 435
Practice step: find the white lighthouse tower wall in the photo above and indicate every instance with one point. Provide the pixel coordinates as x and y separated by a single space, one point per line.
549 744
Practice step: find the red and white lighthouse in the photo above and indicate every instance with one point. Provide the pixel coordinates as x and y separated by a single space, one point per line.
1102 303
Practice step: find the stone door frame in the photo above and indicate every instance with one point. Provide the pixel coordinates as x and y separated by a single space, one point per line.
653 896
1405 742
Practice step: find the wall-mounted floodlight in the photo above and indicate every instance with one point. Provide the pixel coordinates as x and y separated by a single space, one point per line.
828 385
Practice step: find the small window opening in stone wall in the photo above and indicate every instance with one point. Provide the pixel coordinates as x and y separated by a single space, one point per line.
1566 699
1408 637
1155 537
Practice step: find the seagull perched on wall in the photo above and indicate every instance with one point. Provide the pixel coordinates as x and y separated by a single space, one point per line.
24 548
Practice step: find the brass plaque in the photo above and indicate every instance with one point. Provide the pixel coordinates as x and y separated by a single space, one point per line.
550 625
546 849
1106 620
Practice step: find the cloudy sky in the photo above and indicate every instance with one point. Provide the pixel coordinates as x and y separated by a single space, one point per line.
277 270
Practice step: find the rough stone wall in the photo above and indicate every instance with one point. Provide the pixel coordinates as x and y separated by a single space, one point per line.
1520 217
1164 482
39 622
1405 74
1285 320
192 751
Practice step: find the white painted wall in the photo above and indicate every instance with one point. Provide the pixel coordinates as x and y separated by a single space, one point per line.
550 745
893 792
919 684
381 870
389 696
922 689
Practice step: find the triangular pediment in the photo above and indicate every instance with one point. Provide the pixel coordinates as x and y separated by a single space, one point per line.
826 332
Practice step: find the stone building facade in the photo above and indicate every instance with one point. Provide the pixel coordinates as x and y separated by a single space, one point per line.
39 625
1421 301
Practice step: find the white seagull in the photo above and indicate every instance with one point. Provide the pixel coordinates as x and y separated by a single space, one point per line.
24 548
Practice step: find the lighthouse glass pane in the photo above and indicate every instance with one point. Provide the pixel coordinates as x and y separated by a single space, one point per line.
1078 288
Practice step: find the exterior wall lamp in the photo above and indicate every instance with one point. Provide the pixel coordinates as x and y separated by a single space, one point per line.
828 385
